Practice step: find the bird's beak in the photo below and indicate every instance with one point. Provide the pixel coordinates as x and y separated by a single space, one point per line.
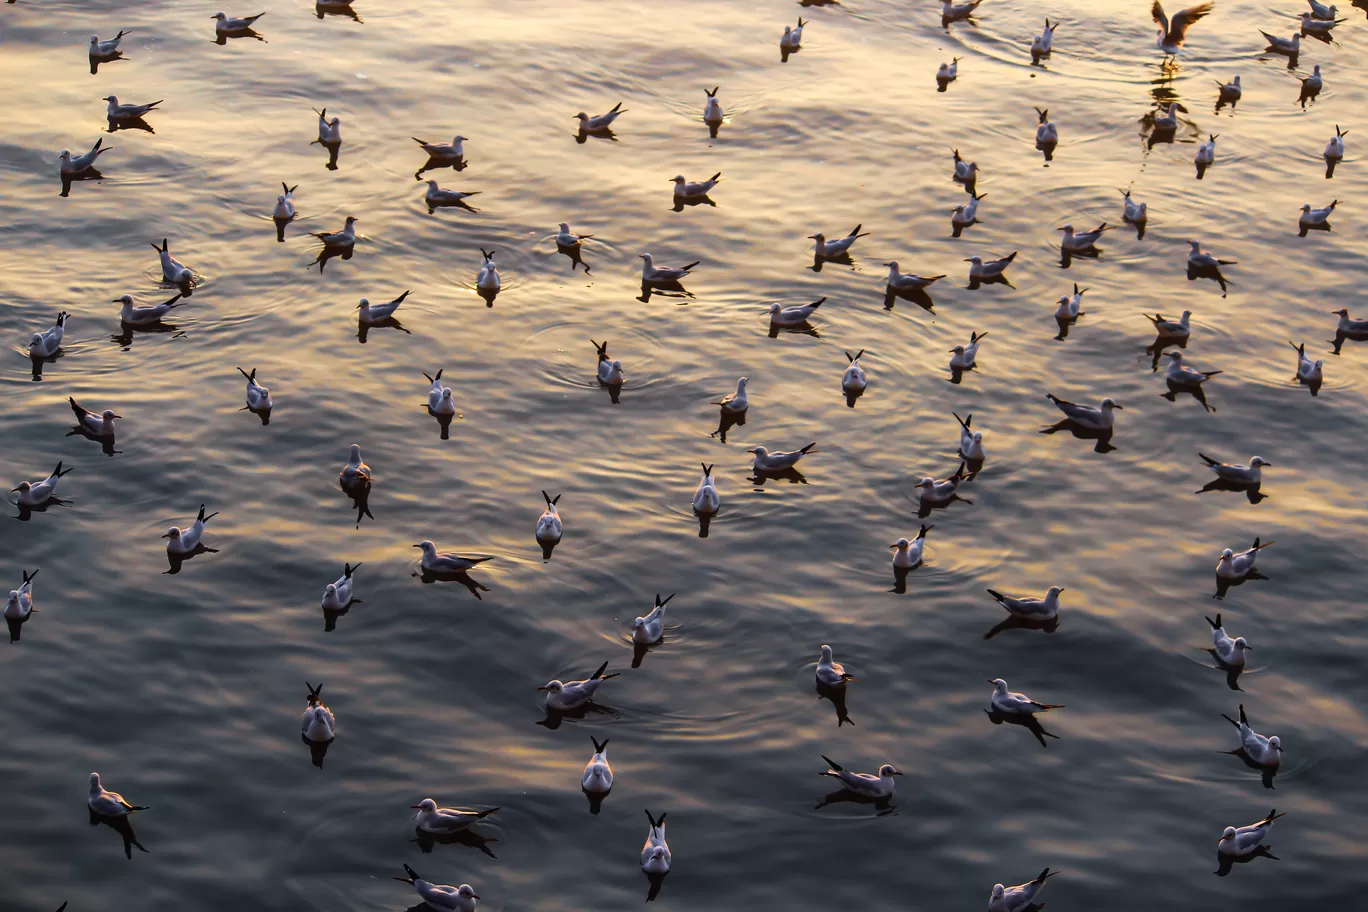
748 451
117 301
477 895
118 416
417 546
415 807
1114 405
543 687
967 260
168 534
895 773
994 683
812 237
12 490
1062 589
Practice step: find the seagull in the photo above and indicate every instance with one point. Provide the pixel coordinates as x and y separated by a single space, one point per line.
432 819
441 897
439 397
184 541
34 493
1308 371
549 523
47 343
712 108
1334 149
1251 474
649 630
1172 33
435 562
937 491
685 190
793 316
765 461
318 724
965 215
1099 418
948 72
1246 839
600 121
1288 46
1005 701
81 162
1135 213
950 12
655 852
989 269
1167 121
1069 305
174 272
1047 134
1347 326
598 775
571 694
452 151
837 246
1199 260
567 239
651 273
228 24
1319 10
963 355
853 379
337 595
970 441
831 673
1206 152
1263 751
1316 26
867 784
609 371
909 281
1030 607
116 111
706 499
1312 84
1230 652
487 279
1082 240
370 314
1237 566
1020 897
355 472
1172 329
965 172
107 803
108 48
738 401
258 396
1312 217
1230 91
344 238
1180 374
329 131
20 604
1043 44
100 425
435 195
792 38
284 207
908 554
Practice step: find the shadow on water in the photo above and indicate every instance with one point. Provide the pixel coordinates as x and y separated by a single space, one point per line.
665 290
554 717
1102 437
728 419
344 10
1012 622
467 837
1224 585
916 296
176 561
837 697
89 174
1195 390
1027 721
26 511
1266 773
360 498
883 806
427 577
1250 491
1226 863
124 828
317 750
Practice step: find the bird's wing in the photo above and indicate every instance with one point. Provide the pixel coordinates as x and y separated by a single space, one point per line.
1183 20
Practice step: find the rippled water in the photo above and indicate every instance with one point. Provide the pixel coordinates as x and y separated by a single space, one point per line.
184 690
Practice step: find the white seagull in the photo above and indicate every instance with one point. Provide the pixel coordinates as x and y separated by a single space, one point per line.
1319 10
84 162
108 48
1230 651
337 595
116 111
950 12
436 195
1251 474
439 820
99 424
1258 748
1047 134
1349 326
694 190
1334 149
549 523
318 723
1314 25
738 401
600 121
1043 44
47 343
962 356
1134 213
1011 703
870 785
1096 417
1030 607
980 268
1246 840
370 314
1069 306
284 207
488 277
831 673
908 554
107 803
1308 371
1082 240
229 24
1173 32
439 396
34 493
853 379
792 39
355 471
1233 565
436 562
20 604
937 491
651 273
597 778
1018 898
344 238
567 238
1288 46
1180 374
609 370
258 396
184 541
1172 329
794 316
765 461
970 441
451 151
1312 217
1206 152
965 171
1199 260
712 108
948 72
649 630
329 131
909 281
174 272
655 852
562 695
442 897
706 499
1231 91
837 246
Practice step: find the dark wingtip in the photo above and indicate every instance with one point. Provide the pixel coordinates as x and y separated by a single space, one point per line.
598 748
598 674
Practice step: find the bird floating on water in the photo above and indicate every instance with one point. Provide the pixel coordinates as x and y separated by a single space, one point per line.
562 695
831 673
107 48
1020 897
1031 607
339 239
1047 134
1313 25
35 493
549 526
284 207
651 273
609 370
706 499
1230 92
1314 218
598 774
649 630
1006 701
1172 329
329 131
765 461
1334 149
1264 751
1173 32
970 441
1043 44
97 424
441 897
174 272
685 190
337 595
948 72
908 553
227 23
1290 47
1233 565
76 165
116 111
1206 151
738 401
837 246
371 314
1308 371
1134 213
964 215
434 561
355 471
1082 240
1069 305
1199 260
187 540
1251 474
869 785
1246 840
793 316
655 852
853 378
48 342
599 122
436 195
440 399
318 723
487 279
989 269
950 12
451 151
792 39
258 396
1180 374
107 803
1097 417
940 491
712 108
908 281
963 356
966 172
1230 652
439 820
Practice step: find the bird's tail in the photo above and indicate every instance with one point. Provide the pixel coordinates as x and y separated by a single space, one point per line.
707 469
924 529
1230 720
58 471
819 302
964 422
662 604
483 814
1045 875
204 519
599 674
251 378
835 767
810 448
1273 815
1208 460
716 177
1216 624
599 748
691 265
997 595
348 570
